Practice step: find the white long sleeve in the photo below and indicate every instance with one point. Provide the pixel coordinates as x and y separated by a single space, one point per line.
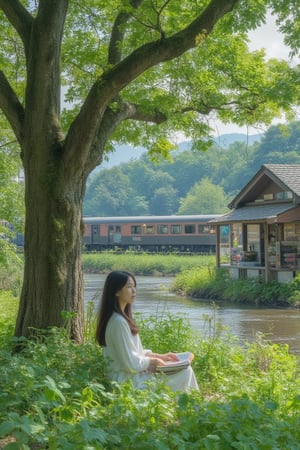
124 351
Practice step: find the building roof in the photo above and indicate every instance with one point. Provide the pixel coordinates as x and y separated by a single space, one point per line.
286 176
255 213
151 219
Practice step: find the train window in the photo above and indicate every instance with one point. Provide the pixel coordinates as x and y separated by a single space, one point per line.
189 229
118 228
111 228
136 229
204 228
162 229
149 229
96 229
175 229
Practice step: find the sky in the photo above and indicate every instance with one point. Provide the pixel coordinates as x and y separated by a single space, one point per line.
269 38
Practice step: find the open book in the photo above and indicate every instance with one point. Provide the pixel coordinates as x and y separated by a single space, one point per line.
174 366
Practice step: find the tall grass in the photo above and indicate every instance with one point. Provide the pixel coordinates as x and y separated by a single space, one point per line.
144 264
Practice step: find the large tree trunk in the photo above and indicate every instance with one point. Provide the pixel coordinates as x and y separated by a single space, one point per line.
53 281
54 188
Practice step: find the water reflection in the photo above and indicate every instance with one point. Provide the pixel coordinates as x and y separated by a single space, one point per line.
282 325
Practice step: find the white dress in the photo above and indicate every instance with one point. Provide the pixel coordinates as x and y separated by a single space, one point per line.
128 360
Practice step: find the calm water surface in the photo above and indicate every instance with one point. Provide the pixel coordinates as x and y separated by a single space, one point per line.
282 325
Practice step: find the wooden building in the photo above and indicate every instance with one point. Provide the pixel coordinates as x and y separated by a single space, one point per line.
260 236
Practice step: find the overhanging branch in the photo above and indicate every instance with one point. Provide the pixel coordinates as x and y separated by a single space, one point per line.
117 34
11 107
19 18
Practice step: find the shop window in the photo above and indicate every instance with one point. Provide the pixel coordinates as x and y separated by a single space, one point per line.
291 232
224 244
252 253
236 243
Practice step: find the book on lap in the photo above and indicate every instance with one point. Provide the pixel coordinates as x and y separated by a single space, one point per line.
174 366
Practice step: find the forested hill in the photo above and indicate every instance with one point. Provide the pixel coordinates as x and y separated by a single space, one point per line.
196 182
126 153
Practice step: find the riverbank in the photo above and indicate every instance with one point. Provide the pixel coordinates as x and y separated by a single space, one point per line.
243 322
217 285
196 276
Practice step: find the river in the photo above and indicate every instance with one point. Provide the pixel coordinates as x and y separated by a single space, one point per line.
280 325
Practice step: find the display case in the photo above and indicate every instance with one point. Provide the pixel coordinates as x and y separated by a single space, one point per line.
289 254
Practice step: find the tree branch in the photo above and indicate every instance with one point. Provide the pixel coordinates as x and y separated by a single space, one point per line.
11 107
110 122
117 34
155 116
114 80
19 18
162 50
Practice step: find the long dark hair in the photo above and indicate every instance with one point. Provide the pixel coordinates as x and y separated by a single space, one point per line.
115 281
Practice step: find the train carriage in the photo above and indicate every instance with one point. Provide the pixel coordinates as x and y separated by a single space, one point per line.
192 233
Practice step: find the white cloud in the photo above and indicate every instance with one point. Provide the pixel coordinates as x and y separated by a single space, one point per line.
268 36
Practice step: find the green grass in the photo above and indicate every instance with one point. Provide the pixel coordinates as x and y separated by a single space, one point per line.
207 282
144 264
54 394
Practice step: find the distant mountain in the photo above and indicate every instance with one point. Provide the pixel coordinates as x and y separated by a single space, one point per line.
225 140
126 153
123 154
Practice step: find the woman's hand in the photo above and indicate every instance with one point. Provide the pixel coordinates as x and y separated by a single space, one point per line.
154 363
170 356
192 356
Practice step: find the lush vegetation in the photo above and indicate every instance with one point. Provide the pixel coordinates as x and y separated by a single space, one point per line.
11 268
144 263
207 282
54 394
195 182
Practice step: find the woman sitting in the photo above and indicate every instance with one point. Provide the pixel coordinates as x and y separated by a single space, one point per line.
118 334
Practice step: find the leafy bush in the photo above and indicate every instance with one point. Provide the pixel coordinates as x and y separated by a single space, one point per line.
54 394
207 282
11 268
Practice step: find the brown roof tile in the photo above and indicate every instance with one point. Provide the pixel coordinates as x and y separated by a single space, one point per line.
289 174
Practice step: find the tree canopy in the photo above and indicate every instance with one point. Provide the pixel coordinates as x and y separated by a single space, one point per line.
133 71
204 198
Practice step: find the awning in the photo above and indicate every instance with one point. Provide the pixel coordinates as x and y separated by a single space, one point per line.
255 213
